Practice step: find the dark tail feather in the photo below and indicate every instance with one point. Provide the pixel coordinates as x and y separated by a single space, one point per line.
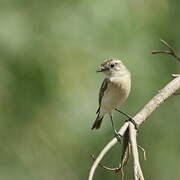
97 122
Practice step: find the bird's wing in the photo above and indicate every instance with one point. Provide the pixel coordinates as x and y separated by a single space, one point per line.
102 90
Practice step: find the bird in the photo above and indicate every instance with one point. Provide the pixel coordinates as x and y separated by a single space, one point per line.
114 90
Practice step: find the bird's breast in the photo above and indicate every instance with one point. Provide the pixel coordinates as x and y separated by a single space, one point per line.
116 93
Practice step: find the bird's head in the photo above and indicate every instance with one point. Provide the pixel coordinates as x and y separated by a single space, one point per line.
112 67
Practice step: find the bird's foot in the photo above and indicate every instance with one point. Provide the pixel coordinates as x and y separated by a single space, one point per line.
117 136
133 121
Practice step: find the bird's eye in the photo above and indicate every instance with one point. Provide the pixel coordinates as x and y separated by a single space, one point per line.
112 65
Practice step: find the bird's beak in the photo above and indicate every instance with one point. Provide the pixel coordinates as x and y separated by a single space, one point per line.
101 69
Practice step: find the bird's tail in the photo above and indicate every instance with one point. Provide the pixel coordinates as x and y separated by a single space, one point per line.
97 122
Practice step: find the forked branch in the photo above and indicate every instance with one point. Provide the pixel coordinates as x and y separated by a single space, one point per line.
171 50
139 118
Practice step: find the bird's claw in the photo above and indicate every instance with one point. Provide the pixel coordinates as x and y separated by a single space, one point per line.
118 136
133 121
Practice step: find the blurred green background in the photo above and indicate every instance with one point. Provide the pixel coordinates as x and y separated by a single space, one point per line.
49 51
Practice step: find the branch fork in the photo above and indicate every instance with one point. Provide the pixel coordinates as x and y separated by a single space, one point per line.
129 132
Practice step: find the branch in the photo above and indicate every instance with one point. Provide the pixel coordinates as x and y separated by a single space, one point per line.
116 169
143 150
169 90
140 117
175 75
106 149
171 50
138 175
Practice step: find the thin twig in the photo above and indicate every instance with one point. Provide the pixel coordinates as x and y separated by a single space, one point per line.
105 150
175 75
138 175
122 174
143 150
116 169
161 51
170 52
167 45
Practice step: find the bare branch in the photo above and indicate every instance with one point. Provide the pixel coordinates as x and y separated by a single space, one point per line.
161 51
167 45
106 149
171 50
140 117
175 75
143 150
138 175
116 169
130 142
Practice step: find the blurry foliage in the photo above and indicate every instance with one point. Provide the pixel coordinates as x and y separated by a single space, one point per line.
49 51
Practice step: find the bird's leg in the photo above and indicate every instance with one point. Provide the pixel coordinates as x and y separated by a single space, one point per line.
130 118
116 134
123 113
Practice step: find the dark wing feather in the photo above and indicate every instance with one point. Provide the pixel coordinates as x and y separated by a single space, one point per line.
101 91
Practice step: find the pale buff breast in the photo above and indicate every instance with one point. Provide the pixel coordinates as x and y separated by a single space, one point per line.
116 93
